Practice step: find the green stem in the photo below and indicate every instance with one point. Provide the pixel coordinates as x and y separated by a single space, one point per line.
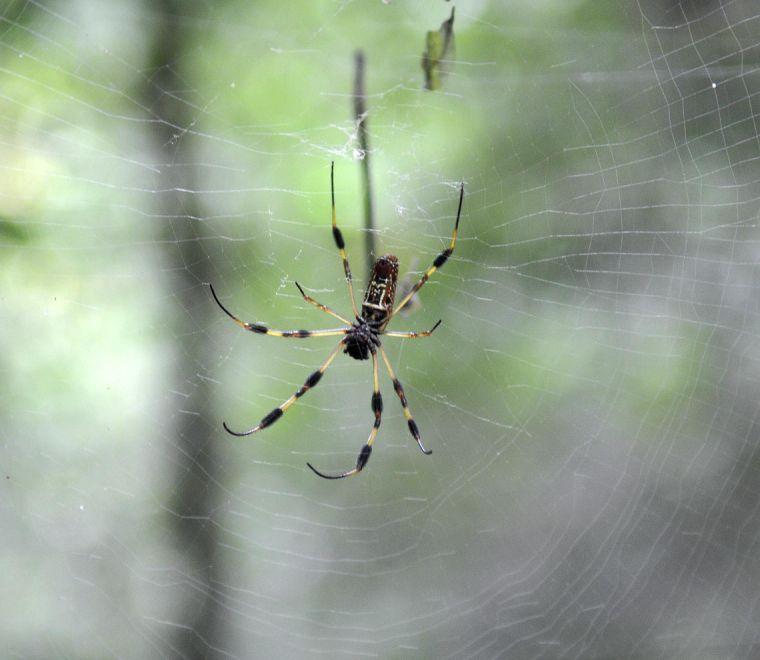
360 116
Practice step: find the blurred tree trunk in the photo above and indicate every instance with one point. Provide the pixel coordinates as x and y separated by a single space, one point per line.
191 445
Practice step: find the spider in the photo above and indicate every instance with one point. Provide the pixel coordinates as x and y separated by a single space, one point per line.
361 338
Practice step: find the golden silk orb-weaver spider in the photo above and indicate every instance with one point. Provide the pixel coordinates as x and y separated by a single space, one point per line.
361 338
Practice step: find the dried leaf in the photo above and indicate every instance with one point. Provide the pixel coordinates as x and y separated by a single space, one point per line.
439 49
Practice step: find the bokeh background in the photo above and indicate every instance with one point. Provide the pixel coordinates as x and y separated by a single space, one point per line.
591 398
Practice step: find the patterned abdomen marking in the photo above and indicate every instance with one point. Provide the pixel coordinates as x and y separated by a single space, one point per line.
381 290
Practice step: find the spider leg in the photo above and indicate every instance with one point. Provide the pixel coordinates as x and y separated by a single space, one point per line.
324 308
272 417
364 454
340 243
413 428
439 260
411 335
263 330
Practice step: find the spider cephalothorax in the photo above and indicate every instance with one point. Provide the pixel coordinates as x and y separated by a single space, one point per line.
361 339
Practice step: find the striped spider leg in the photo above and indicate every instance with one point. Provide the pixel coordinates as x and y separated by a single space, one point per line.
338 236
264 330
361 338
364 454
439 260
271 417
311 381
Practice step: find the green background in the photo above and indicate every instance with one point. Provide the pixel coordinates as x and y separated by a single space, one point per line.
591 397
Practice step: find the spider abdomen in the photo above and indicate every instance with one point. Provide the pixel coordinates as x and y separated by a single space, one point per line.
381 290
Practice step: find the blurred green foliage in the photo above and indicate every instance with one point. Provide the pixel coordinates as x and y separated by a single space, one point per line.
594 312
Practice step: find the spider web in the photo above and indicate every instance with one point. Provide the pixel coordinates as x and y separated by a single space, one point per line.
591 397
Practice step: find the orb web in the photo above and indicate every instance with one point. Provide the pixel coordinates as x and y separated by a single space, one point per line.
591 396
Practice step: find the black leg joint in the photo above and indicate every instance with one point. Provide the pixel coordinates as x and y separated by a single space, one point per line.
414 429
377 403
313 379
338 238
256 327
271 418
441 258
297 333
363 457
400 391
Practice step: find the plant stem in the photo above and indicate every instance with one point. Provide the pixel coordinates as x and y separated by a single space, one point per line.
360 116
